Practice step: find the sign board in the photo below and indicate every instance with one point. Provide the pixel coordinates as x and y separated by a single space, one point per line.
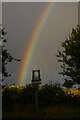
36 78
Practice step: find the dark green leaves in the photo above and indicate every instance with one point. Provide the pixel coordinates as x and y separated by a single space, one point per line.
70 57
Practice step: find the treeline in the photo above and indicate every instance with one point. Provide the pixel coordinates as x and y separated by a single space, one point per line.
49 95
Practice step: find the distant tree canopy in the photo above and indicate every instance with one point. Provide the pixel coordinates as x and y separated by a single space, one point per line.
47 95
5 55
70 57
23 98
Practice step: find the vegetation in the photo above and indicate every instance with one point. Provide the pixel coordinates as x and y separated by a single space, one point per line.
5 55
51 99
70 57
19 102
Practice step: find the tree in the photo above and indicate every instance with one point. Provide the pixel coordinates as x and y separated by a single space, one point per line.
68 83
70 56
5 56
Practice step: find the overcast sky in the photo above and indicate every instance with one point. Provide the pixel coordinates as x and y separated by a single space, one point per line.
20 20
0 12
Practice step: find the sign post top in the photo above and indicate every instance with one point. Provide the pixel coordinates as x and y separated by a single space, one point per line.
36 78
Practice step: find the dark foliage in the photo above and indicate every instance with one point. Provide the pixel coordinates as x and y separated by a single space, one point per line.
68 83
14 98
51 95
5 55
70 56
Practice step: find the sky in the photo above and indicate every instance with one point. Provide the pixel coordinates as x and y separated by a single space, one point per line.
0 15
20 20
0 12
40 0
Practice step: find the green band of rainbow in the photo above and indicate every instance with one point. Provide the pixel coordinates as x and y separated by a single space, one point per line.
34 38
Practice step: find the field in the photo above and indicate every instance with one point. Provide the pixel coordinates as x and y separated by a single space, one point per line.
47 112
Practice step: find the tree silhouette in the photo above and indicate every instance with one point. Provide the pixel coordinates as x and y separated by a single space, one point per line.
70 56
5 55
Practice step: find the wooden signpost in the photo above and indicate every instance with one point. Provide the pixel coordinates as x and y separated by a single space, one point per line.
36 81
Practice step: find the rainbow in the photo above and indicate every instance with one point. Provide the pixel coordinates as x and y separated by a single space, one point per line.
32 43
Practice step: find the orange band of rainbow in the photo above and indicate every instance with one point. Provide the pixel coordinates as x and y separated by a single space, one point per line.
34 38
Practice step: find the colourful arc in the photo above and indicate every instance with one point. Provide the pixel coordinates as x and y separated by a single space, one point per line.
31 46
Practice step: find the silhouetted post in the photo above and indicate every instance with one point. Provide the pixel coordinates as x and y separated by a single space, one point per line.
36 81
36 98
